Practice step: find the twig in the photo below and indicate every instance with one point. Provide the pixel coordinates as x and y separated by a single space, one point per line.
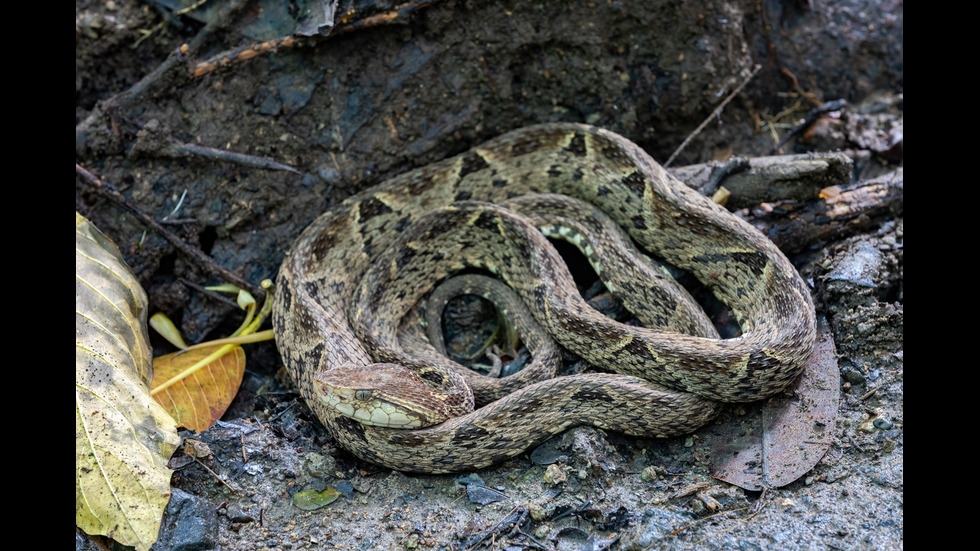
715 113
206 262
811 118
868 394
511 522
343 26
855 444
188 149
176 57
214 474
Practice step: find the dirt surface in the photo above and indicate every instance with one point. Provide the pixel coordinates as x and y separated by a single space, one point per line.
342 112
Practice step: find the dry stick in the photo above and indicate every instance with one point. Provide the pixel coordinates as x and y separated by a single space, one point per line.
175 57
208 263
214 474
189 149
811 117
243 53
715 113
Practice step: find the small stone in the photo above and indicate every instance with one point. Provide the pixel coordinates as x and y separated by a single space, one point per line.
319 465
882 423
541 508
867 426
554 475
652 473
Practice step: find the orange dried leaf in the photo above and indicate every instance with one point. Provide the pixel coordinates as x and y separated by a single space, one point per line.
200 398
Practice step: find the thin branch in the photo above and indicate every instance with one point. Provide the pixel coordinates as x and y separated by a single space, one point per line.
344 25
176 58
189 149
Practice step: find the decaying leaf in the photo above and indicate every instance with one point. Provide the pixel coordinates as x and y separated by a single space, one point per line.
310 500
123 438
201 397
786 437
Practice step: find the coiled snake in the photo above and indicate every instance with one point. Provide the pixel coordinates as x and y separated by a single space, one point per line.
365 263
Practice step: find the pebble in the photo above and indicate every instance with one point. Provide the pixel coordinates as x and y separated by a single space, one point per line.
554 475
191 522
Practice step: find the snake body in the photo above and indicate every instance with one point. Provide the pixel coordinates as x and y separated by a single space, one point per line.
340 276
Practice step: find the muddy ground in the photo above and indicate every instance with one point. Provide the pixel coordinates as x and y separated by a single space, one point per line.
344 111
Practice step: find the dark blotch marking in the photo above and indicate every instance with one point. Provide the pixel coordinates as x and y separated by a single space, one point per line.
402 223
327 237
666 300
317 352
419 184
610 149
528 407
499 183
368 246
759 360
577 145
487 221
554 171
524 145
285 292
638 349
602 190
322 244
578 174
405 256
710 258
370 208
439 225
466 434
593 395
405 438
471 163
639 223
433 376
756 261
312 288
636 183
463 195
352 427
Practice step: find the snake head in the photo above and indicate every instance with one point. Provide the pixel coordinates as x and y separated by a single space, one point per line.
390 395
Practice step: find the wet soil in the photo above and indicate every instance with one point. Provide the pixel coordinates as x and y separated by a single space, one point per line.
347 110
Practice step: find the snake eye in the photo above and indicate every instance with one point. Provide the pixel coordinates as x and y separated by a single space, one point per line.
362 395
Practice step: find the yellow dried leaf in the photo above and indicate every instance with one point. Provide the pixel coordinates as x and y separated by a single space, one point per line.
123 439
198 399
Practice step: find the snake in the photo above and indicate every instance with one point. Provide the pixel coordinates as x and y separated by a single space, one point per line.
352 275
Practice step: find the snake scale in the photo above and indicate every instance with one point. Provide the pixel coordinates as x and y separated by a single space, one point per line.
369 259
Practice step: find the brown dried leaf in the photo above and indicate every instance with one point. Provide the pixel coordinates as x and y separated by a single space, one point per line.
202 397
786 437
